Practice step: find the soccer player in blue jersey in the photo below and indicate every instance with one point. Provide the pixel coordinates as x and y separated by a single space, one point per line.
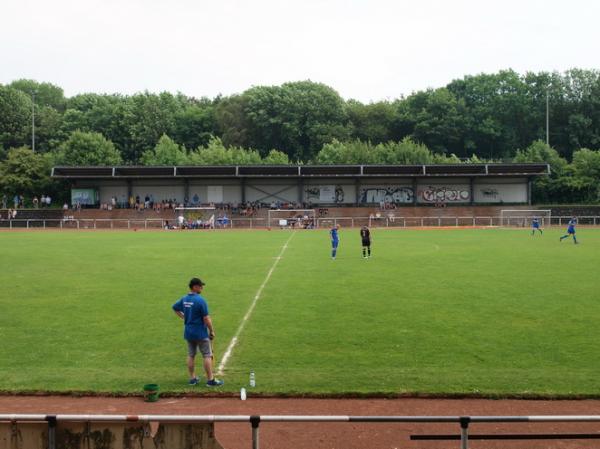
571 230
535 224
335 240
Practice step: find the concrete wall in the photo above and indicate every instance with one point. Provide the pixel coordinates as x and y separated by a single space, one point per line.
79 435
269 190
500 190
322 191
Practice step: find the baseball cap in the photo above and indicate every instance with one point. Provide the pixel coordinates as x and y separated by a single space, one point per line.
196 281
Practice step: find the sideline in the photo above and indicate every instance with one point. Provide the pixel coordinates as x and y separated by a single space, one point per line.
240 328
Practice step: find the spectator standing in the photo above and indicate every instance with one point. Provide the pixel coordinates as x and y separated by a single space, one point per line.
48 200
16 201
4 201
198 331
35 202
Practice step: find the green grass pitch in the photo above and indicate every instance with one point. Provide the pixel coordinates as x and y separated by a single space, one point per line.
491 312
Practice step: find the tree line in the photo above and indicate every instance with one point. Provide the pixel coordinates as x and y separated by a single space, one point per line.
486 117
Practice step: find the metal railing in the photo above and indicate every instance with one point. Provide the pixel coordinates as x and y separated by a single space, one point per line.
252 223
255 420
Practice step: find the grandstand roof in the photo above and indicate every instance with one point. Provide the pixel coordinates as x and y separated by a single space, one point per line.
302 171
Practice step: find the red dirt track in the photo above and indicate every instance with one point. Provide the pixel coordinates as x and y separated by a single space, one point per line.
339 435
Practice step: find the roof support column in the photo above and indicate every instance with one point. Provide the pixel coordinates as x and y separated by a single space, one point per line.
414 187
186 191
472 191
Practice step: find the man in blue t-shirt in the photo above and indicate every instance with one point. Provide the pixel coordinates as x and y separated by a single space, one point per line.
198 331
335 240
571 230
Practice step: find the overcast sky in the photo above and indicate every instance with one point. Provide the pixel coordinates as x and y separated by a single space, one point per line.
367 50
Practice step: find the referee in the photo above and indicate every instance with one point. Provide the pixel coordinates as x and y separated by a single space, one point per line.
365 236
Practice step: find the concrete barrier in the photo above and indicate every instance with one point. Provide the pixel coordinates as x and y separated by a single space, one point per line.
108 435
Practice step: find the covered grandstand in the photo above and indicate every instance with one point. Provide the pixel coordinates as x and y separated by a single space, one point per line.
315 185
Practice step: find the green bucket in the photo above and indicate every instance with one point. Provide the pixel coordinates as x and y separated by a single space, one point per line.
151 392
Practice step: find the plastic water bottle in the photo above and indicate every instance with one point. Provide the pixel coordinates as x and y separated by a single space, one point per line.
243 394
252 379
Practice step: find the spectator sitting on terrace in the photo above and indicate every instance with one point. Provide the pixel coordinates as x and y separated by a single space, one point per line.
9 215
392 217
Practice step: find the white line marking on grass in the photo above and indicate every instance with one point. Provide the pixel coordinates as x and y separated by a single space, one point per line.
239 330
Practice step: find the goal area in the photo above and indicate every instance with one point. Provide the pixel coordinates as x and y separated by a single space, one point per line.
292 218
195 217
522 218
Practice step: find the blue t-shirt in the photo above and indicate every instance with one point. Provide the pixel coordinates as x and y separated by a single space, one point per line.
535 223
194 310
334 234
572 224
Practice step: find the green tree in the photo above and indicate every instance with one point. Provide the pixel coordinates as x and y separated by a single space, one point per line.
148 118
109 115
405 152
297 118
276 158
48 129
215 153
195 125
551 189
25 173
15 117
231 121
166 152
586 173
46 94
88 148
372 122
438 120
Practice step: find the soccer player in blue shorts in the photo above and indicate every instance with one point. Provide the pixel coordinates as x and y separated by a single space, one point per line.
535 224
571 230
335 240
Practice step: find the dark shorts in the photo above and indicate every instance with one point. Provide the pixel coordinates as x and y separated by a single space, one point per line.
202 346
366 242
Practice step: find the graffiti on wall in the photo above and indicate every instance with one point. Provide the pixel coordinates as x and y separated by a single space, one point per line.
325 194
390 194
449 194
490 192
